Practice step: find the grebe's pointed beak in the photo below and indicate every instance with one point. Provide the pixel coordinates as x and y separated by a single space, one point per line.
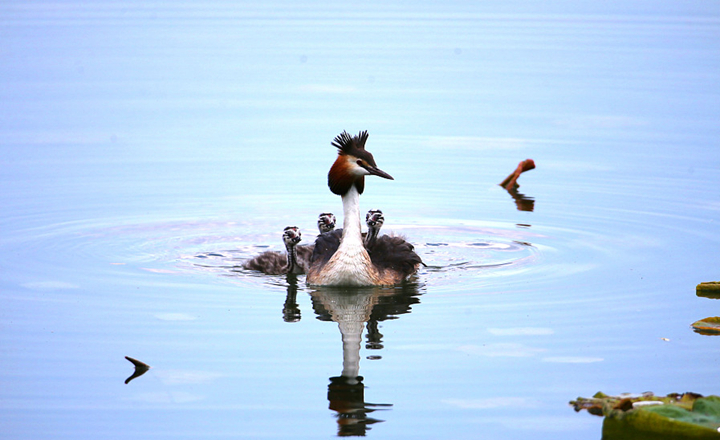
378 172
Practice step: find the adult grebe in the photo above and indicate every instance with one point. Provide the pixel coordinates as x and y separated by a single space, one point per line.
348 263
277 263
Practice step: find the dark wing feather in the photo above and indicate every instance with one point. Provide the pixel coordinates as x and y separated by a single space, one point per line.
394 253
325 246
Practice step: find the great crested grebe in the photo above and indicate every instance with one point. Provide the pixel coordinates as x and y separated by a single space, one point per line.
277 263
348 263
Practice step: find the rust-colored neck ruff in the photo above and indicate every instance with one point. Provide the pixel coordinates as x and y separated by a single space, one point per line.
343 175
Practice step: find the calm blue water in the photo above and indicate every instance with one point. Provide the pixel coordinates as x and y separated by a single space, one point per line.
146 150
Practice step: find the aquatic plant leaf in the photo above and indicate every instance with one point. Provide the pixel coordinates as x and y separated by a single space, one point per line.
666 422
708 326
710 289
675 416
605 404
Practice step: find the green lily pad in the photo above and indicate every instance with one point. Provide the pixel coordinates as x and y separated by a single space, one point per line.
710 289
708 326
675 416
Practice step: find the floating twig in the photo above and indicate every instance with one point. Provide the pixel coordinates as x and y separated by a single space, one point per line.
140 369
510 181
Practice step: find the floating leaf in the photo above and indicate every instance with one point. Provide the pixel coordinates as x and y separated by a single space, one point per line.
710 289
645 417
662 422
708 326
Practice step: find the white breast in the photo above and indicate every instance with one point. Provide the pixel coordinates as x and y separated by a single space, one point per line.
349 266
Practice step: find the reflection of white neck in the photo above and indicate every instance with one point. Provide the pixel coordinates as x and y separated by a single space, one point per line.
351 312
351 338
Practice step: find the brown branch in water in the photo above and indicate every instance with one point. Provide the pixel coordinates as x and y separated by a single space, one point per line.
510 181
140 369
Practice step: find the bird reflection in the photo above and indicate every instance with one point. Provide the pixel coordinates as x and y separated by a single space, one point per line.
352 309
523 202
291 310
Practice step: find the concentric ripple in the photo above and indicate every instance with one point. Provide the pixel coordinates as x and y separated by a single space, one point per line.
473 253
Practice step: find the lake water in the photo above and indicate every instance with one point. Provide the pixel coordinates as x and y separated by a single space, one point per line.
146 150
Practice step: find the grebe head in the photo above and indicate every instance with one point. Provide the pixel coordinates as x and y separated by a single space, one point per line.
374 219
326 222
353 164
291 236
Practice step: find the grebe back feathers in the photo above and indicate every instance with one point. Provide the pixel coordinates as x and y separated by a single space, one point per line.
389 252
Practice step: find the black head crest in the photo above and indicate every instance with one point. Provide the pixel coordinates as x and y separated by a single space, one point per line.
350 144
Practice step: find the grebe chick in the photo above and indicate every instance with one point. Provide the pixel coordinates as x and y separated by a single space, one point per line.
277 263
326 222
374 220
388 250
346 262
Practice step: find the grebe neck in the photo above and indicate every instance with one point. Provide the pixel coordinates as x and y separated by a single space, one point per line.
292 264
351 217
371 236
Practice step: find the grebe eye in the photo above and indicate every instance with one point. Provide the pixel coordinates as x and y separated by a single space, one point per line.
359 162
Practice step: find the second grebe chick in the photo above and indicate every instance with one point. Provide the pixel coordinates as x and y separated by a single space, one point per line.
374 220
389 251
326 222
277 263
348 263
326 225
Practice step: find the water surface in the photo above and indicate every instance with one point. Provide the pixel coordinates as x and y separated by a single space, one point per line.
147 150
